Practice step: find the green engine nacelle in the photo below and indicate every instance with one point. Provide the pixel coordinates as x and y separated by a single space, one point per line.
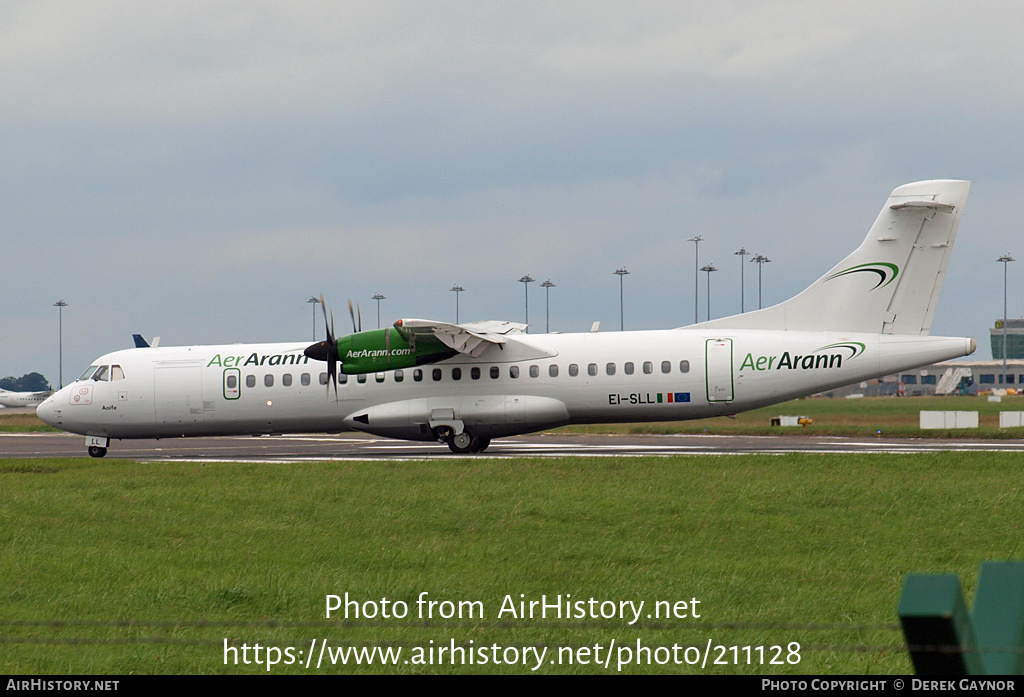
386 349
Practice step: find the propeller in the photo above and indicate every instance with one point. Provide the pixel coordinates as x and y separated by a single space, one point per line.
327 350
355 329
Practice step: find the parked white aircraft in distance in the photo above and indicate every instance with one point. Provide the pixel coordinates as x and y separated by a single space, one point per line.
23 399
464 384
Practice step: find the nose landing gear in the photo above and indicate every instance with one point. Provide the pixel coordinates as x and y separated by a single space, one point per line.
97 445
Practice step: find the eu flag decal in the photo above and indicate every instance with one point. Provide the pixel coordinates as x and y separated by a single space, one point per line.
682 397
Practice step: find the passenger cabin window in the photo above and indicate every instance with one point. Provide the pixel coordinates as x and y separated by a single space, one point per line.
666 366
592 369
268 380
628 368
684 366
474 373
323 379
553 370
513 371
399 375
304 379
456 373
436 374
361 378
379 377
250 380
648 367
417 375
286 379
574 369
610 369
534 371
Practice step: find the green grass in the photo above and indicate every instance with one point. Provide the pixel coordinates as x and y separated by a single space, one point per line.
23 423
112 566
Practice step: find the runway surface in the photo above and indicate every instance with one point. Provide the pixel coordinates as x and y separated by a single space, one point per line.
354 446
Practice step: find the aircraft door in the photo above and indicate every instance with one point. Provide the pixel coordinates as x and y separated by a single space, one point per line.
718 370
178 394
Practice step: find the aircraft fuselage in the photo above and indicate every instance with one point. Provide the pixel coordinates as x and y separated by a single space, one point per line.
542 381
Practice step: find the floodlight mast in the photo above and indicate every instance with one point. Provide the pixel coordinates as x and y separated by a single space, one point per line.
696 273
709 269
760 260
547 286
457 289
314 301
378 296
742 253
60 305
526 281
621 273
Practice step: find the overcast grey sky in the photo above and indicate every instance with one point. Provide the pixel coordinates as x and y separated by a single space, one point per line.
196 170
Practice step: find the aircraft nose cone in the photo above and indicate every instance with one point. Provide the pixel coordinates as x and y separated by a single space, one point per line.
45 411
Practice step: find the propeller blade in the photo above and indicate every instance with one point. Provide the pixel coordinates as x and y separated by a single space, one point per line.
327 350
352 314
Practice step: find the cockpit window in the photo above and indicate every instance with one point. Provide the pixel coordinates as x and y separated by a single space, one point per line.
116 373
102 373
88 372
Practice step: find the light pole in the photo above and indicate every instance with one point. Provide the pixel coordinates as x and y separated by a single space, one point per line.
378 297
709 268
1005 259
621 273
313 300
760 259
457 289
60 305
547 286
742 253
526 281
696 275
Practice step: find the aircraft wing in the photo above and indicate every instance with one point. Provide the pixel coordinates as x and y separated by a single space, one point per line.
471 338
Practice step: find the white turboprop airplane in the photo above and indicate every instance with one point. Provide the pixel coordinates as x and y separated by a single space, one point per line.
464 384
23 399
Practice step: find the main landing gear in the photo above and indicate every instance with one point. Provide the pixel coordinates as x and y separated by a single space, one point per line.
462 443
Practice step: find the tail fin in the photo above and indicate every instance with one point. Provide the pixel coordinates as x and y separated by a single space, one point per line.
888 285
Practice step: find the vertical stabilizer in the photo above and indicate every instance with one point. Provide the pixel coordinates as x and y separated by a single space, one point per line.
888 285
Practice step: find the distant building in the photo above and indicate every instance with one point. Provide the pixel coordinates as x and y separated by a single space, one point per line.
1014 339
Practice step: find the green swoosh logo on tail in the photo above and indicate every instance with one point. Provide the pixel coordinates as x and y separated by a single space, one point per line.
887 272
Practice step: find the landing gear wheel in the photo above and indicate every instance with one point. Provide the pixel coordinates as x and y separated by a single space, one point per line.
97 451
480 444
461 443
